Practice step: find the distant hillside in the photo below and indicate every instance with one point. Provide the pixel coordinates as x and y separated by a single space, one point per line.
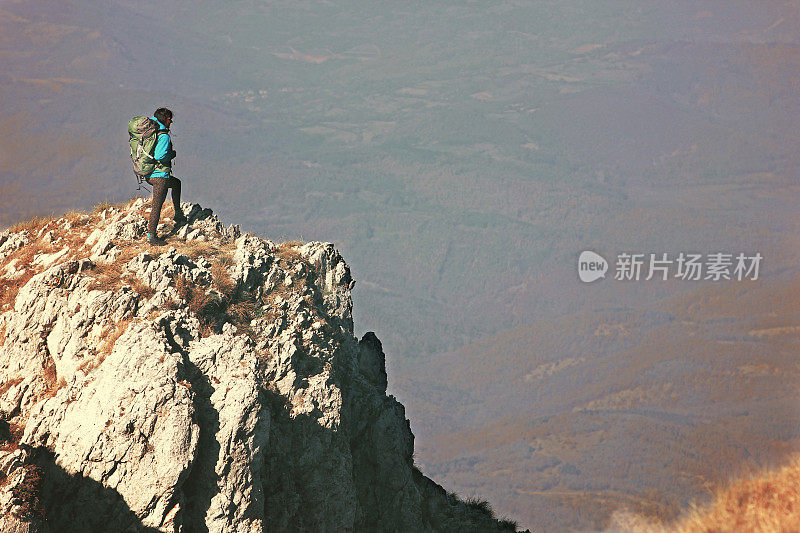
643 408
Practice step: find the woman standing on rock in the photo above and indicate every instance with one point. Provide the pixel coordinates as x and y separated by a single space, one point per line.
162 179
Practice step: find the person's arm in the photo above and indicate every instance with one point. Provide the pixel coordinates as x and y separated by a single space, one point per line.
163 149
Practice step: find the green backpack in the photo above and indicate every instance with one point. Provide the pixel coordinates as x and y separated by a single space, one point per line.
143 132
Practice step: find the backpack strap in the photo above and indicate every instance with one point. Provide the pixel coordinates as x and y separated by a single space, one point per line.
140 150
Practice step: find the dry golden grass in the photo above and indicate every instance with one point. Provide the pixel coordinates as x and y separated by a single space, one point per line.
213 251
134 199
140 288
287 250
108 276
228 304
78 218
4 388
54 384
49 374
23 259
109 340
10 288
222 279
102 206
32 225
764 502
208 308
105 276
243 312
90 363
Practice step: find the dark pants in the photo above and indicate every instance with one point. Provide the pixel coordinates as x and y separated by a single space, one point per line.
160 186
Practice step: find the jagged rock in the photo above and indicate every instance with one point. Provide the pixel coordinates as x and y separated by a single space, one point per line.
159 271
372 361
128 225
10 242
239 401
252 261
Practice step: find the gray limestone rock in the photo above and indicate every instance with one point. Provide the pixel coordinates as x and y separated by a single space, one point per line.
144 417
130 426
10 242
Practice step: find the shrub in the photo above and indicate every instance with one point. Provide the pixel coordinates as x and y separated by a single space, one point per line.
510 525
209 307
29 494
15 433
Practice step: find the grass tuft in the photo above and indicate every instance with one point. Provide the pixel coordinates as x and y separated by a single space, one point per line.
142 289
213 251
109 340
287 250
481 506
208 307
32 225
102 206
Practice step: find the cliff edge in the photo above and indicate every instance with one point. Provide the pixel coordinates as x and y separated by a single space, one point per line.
212 385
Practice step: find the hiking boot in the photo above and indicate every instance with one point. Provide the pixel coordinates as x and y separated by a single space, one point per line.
180 219
155 240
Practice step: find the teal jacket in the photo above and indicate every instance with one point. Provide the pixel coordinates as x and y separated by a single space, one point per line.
163 153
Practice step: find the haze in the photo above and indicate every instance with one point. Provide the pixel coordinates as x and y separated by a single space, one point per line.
461 155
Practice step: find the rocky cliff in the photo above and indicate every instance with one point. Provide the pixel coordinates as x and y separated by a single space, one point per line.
212 385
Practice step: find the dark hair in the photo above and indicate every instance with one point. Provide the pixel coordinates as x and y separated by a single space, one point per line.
162 114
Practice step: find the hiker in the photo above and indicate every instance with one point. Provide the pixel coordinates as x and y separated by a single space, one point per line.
162 179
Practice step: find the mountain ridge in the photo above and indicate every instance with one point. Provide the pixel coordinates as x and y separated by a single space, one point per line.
211 385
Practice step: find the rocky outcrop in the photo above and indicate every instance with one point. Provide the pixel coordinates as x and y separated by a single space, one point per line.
213 385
